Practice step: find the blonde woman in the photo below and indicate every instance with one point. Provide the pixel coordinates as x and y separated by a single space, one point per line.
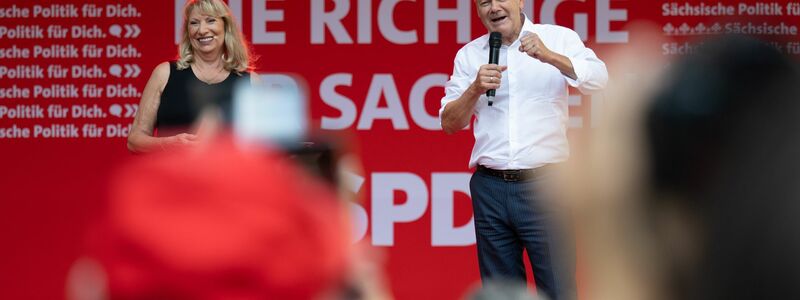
213 55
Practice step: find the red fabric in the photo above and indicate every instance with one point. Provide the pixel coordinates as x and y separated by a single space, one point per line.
221 223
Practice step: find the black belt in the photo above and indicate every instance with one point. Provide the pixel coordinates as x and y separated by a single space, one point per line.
512 175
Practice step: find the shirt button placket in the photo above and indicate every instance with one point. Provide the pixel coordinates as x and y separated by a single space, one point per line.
512 110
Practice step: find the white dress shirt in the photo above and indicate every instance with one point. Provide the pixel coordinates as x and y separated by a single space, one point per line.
526 126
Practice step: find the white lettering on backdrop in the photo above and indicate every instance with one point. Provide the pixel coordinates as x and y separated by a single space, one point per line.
386 215
329 18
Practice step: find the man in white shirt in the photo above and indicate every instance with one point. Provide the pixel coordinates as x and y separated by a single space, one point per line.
523 131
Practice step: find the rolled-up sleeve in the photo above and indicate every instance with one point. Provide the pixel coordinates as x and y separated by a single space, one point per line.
458 83
590 71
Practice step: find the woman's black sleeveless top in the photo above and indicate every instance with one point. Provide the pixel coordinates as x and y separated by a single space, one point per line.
185 96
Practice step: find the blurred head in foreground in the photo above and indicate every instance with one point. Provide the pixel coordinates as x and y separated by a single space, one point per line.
690 187
503 290
722 150
218 223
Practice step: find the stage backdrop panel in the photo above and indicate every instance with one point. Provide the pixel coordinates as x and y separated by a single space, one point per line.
72 73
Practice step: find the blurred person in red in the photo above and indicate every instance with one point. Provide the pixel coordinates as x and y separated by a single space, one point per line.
219 221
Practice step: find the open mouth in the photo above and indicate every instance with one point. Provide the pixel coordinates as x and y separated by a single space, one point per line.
498 19
205 39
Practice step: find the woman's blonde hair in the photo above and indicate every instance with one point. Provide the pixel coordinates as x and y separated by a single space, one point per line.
236 53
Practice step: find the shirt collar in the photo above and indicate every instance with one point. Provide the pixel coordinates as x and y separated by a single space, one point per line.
527 25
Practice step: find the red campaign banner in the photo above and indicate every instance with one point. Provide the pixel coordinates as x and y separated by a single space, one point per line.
72 73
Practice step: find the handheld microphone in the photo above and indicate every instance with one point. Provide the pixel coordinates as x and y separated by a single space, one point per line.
495 39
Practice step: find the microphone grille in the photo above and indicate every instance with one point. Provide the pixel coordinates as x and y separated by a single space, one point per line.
495 39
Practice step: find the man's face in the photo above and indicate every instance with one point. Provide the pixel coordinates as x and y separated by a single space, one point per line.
501 16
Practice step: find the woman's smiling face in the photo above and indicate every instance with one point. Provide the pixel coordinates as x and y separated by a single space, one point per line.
206 33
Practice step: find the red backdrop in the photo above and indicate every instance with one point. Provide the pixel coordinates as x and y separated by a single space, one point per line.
71 75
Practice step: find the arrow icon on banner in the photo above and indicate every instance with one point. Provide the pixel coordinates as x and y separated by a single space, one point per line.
130 110
132 31
132 71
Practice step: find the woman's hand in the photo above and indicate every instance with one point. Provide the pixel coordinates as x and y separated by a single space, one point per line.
178 141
